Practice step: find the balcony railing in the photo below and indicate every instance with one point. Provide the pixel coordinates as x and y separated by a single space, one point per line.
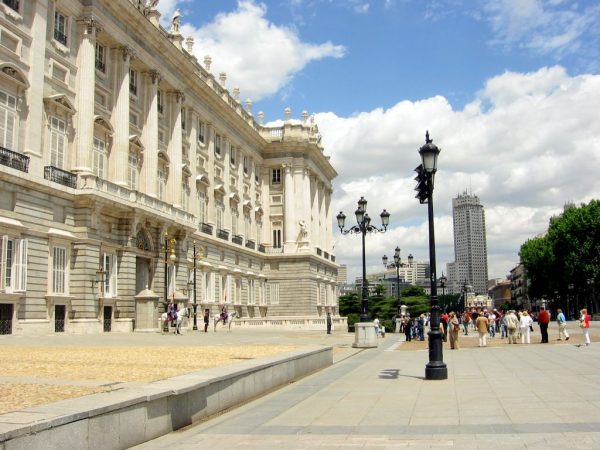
223 234
261 248
250 244
319 252
275 250
325 255
237 239
60 176
332 258
14 160
14 4
60 37
101 66
206 228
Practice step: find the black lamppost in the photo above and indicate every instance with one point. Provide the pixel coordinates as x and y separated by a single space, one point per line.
363 227
443 281
198 255
397 265
436 368
170 244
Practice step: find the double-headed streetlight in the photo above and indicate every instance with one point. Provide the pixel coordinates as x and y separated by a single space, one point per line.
198 256
170 256
436 368
363 226
397 265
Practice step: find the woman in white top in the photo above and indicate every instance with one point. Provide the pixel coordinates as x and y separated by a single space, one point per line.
525 323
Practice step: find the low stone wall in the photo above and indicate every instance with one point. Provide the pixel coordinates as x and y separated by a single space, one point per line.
129 416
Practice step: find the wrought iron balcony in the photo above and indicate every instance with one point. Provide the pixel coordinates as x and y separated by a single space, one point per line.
60 176
250 244
237 239
206 228
261 248
14 160
60 37
325 255
319 252
14 4
223 234
101 66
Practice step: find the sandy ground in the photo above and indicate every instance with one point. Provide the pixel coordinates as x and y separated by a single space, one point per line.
38 375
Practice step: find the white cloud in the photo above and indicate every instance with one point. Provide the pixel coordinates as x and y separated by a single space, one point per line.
526 145
258 56
545 27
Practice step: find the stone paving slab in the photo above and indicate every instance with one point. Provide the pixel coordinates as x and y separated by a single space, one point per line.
519 396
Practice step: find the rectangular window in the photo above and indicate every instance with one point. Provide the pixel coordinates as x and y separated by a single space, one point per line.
59 270
132 171
183 118
133 82
246 164
100 57
13 4
160 101
277 238
8 120
217 144
161 180
99 157
202 207
274 293
201 132
220 210
275 176
58 142
110 275
185 195
13 264
60 28
232 154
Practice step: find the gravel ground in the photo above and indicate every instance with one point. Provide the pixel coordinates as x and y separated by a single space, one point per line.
39 375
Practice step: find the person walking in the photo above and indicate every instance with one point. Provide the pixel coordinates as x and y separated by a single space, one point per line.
543 321
482 325
492 318
525 324
466 319
584 323
562 325
408 326
512 325
206 319
453 329
503 327
376 325
328 323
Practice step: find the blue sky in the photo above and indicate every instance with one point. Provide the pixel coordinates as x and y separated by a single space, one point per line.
509 89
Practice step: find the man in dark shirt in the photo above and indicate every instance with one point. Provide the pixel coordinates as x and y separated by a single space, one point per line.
544 320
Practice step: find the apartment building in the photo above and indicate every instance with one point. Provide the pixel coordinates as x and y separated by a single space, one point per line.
130 174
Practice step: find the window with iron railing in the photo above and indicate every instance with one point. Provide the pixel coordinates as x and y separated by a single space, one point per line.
60 28
100 57
13 4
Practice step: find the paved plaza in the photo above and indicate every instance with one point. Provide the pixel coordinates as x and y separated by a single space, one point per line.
502 396
505 397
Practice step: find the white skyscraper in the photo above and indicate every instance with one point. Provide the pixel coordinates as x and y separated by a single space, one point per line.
470 249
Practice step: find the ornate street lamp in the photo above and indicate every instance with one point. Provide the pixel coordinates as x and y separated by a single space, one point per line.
397 264
170 257
436 368
363 226
198 256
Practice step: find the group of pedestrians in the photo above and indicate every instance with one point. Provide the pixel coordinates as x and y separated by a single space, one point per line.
512 325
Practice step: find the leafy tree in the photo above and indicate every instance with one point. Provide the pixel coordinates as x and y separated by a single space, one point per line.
349 303
413 291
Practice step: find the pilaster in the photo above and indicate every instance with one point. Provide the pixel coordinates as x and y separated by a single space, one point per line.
150 133
120 117
175 142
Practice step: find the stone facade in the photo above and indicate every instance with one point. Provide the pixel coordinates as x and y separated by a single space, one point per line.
122 156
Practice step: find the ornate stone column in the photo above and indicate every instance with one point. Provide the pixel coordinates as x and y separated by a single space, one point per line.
150 133
314 193
174 149
327 228
86 88
289 216
119 158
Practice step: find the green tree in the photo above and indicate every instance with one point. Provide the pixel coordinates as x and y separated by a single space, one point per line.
349 303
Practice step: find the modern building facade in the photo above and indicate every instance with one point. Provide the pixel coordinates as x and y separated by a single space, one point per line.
470 248
122 157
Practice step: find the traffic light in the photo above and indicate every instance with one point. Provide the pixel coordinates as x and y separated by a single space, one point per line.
422 188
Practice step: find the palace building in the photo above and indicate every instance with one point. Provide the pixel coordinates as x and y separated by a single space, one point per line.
130 174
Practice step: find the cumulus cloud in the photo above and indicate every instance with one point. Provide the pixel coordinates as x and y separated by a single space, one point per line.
526 145
258 56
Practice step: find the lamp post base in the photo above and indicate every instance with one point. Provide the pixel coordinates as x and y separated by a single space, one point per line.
436 368
436 371
364 335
